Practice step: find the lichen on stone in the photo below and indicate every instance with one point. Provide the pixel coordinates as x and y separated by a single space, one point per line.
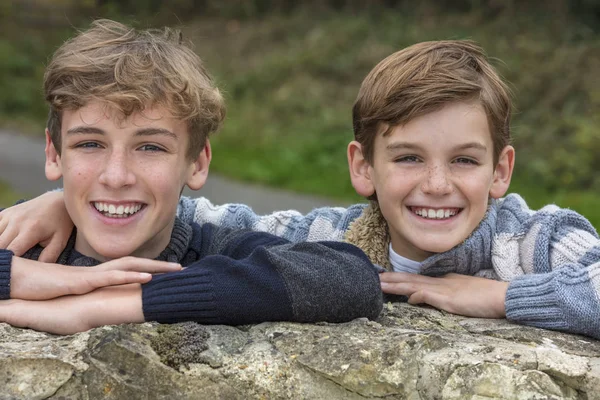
180 344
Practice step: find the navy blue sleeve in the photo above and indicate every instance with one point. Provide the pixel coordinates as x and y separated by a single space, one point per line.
243 277
5 268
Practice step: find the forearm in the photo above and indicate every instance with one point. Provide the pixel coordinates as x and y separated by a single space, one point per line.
71 314
327 223
565 299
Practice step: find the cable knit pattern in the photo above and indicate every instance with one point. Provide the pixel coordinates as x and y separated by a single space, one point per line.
550 256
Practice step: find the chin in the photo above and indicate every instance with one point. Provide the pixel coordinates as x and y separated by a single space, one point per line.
437 247
111 253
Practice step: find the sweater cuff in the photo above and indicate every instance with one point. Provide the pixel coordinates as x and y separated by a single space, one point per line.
168 298
532 300
5 268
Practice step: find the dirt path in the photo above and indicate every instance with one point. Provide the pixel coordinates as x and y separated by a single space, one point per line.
22 167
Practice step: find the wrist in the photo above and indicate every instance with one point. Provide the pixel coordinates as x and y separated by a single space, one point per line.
115 305
501 308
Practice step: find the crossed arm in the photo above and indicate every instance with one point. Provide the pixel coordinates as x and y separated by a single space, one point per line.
64 299
21 227
564 298
231 277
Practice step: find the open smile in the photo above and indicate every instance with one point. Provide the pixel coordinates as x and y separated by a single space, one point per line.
118 210
435 213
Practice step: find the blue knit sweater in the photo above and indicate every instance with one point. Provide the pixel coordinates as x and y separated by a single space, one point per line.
237 277
551 257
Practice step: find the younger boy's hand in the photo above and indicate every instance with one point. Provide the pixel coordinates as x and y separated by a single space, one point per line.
42 220
33 280
458 294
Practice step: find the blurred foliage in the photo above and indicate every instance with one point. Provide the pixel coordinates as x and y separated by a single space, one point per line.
291 70
7 196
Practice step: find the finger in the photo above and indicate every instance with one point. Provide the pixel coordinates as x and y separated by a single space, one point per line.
18 244
52 251
3 223
403 289
141 265
7 235
406 277
100 279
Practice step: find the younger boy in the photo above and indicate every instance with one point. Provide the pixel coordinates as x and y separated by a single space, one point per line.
432 152
130 114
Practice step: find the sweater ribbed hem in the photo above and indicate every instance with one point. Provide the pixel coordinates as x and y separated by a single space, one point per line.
190 299
532 300
5 268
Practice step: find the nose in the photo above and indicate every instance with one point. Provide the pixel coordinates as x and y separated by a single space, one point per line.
117 172
436 181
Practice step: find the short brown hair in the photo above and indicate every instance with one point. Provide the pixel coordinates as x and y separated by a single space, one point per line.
131 70
424 78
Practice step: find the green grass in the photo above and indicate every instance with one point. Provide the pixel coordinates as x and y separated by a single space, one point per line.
290 82
8 197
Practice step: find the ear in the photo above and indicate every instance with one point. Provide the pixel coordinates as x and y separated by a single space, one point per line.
360 170
53 166
503 172
198 172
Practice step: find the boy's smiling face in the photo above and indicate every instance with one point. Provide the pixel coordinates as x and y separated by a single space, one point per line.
433 178
123 177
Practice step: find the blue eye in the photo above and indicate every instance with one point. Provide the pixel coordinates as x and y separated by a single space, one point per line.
407 159
151 148
87 145
465 160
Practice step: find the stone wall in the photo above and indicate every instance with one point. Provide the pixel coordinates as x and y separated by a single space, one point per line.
408 353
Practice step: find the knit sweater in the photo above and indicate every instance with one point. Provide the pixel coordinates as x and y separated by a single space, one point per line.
551 257
235 276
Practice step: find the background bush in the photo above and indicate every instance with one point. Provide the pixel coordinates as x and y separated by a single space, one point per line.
291 71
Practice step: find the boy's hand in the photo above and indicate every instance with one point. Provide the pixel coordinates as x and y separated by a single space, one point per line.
71 314
42 220
458 294
33 280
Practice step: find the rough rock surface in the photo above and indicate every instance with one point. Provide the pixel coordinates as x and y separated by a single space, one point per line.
408 353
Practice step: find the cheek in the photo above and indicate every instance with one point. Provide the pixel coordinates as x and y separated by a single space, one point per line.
165 181
78 174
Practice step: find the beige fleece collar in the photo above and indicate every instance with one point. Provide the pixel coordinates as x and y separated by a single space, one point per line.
370 233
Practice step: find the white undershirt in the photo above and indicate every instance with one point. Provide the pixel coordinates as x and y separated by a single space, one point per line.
403 264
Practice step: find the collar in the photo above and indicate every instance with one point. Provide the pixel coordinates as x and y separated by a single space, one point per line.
370 233
174 252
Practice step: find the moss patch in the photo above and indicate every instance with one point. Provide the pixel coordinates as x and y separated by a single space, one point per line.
180 344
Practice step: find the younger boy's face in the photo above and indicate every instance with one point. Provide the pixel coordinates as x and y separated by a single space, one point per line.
433 178
122 178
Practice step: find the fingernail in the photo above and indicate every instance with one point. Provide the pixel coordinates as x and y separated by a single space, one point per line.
145 275
175 265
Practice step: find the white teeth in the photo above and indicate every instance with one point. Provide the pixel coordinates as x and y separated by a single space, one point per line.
120 211
430 213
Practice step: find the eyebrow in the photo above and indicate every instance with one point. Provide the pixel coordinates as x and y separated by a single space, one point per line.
412 146
79 130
